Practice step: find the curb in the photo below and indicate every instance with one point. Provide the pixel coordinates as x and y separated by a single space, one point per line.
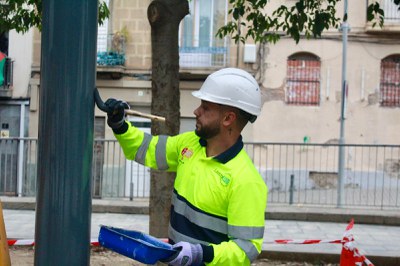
274 212
100 208
390 219
19 205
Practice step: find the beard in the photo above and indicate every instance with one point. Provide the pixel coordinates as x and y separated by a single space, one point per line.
207 132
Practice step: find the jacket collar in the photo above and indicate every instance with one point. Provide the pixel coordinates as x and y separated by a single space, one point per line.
230 153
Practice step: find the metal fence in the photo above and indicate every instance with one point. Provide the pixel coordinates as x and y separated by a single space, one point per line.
308 173
296 173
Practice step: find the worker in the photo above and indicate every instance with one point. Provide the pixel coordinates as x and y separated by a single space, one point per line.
219 198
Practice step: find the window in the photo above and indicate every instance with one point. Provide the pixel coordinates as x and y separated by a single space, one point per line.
390 81
3 56
6 67
303 79
198 45
102 33
4 42
392 13
110 47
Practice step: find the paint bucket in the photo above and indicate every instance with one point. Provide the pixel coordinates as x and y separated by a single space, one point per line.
135 245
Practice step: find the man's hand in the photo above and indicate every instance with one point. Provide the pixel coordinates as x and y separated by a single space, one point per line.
116 115
190 254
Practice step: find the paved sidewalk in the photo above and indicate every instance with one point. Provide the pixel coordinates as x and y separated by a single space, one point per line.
378 242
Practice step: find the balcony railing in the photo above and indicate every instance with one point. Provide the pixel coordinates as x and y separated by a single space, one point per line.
392 12
390 9
203 57
391 19
296 173
111 50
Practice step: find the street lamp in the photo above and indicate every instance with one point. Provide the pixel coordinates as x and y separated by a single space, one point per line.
345 29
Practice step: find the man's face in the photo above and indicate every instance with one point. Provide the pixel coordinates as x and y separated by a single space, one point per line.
208 119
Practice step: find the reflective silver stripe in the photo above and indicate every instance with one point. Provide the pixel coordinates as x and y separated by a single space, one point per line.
141 152
246 232
248 248
198 218
177 237
161 152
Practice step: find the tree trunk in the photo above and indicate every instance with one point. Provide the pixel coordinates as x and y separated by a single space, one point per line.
164 17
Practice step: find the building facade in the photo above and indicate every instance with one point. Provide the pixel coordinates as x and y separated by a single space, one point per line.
301 83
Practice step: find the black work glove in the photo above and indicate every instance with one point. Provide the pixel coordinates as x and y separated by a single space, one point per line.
116 114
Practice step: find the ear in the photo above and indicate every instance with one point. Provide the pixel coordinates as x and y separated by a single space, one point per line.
229 118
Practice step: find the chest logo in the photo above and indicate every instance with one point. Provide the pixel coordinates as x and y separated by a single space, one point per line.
223 179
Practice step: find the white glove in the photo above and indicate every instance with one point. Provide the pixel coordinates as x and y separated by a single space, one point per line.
190 254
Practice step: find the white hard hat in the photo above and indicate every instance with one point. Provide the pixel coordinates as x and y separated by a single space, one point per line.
232 87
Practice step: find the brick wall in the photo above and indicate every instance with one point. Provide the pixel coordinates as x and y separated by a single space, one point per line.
132 14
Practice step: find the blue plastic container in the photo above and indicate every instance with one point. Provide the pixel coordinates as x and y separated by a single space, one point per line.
135 245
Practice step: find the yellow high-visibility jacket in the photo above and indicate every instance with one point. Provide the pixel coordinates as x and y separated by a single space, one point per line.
218 202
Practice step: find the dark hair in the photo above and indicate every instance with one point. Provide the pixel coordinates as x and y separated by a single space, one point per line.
247 116
242 116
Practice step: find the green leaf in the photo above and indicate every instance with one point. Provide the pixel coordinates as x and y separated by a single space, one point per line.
21 15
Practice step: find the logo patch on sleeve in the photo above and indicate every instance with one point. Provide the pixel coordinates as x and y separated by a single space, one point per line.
186 153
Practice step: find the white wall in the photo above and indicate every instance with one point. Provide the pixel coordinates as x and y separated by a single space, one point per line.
366 122
20 50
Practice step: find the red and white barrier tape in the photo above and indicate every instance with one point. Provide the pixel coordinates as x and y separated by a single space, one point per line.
364 259
31 242
348 245
352 256
306 241
21 242
347 241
